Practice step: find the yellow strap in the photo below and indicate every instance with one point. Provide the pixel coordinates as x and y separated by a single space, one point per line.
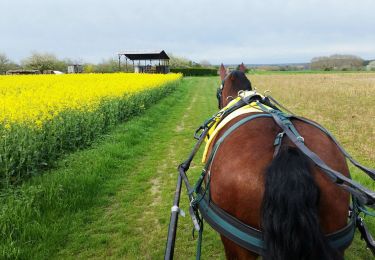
251 108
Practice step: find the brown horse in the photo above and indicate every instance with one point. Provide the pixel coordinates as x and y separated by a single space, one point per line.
288 198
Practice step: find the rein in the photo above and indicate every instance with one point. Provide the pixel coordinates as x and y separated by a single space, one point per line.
201 207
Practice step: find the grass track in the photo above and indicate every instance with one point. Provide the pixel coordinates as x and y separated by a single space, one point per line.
134 221
113 200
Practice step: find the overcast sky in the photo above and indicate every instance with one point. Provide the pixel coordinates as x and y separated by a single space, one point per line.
252 31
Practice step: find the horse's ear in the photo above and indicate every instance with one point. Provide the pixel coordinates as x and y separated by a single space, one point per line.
242 68
222 72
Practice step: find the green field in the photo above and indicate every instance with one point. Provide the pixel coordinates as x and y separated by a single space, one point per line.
285 72
113 200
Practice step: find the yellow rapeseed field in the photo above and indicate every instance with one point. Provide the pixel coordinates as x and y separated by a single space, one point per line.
37 98
45 116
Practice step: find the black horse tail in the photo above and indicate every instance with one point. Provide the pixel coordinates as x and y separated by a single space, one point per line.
290 220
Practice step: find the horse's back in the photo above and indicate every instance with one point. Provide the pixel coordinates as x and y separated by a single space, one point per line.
238 171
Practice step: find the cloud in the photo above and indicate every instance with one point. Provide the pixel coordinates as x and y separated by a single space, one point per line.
265 31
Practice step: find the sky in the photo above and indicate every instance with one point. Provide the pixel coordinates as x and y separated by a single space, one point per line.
229 32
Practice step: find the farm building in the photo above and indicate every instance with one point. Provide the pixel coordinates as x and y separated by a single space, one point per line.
145 62
75 68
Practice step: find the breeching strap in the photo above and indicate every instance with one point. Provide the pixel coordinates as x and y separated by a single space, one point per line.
364 195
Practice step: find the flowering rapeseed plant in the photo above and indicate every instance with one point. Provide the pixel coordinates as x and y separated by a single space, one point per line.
44 116
34 99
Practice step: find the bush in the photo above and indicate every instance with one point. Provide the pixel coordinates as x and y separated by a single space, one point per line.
195 71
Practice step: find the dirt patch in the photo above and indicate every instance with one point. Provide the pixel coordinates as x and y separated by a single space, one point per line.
181 126
155 191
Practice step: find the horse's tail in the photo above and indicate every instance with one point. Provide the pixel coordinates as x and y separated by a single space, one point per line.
290 220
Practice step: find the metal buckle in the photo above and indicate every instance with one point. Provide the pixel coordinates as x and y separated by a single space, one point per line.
194 218
178 210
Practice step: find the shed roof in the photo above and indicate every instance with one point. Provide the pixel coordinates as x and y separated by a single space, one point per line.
152 55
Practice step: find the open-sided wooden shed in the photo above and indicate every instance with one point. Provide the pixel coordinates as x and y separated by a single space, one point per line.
145 62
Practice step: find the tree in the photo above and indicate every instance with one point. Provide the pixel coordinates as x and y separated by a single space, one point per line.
107 66
205 63
44 61
6 64
88 68
337 62
371 65
179 62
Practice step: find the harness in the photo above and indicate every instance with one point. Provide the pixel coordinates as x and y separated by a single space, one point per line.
202 208
223 117
219 92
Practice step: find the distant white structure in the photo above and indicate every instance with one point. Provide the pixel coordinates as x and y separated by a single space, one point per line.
75 68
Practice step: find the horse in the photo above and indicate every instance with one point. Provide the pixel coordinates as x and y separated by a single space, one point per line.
285 196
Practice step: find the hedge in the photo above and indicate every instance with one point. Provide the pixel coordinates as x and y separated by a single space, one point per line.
195 71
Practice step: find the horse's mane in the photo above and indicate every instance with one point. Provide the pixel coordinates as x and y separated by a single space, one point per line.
243 80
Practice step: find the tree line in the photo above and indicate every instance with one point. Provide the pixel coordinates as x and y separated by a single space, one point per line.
338 62
47 62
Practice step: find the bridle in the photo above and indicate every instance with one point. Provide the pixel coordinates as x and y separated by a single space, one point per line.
219 92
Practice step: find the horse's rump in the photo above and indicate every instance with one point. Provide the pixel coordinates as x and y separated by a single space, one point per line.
237 173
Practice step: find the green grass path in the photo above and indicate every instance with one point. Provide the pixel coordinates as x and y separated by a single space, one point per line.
131 220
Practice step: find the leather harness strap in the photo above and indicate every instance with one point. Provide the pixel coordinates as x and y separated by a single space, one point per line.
364 195
368 171
251 238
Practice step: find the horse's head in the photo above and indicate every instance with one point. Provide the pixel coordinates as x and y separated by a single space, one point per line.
231 83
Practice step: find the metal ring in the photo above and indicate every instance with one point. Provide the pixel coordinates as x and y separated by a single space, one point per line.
175 209
301 139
